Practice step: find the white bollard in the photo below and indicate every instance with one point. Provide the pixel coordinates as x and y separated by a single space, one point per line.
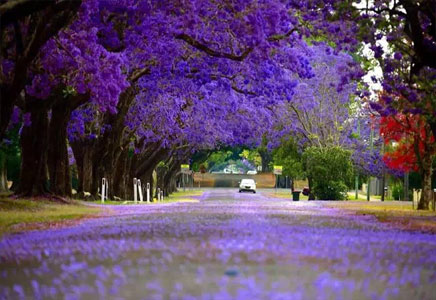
135 190
161 196
158 194
103 189
141 196
148 192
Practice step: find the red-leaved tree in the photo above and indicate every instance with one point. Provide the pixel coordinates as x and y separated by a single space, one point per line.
413 149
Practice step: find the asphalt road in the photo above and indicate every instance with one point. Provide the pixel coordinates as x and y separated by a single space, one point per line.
228 245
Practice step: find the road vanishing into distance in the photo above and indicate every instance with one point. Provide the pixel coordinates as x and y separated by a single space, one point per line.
226 245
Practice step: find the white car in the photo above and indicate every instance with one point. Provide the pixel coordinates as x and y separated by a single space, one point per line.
252 172
247 185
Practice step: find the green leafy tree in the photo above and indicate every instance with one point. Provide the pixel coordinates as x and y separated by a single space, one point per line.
288 156
330 170
252 156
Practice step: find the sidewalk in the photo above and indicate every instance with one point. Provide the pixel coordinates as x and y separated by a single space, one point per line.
352 196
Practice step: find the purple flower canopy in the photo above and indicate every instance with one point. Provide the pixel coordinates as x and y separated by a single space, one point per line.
203 98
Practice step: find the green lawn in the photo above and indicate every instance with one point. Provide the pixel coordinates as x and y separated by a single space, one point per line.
19 215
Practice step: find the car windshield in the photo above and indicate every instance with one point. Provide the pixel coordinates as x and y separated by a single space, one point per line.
247 181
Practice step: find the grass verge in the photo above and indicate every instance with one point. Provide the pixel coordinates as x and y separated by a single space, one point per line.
398 214
185 196
18 215
285 194
179 196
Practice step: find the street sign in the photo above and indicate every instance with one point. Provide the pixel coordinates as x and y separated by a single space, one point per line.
185 169
278 170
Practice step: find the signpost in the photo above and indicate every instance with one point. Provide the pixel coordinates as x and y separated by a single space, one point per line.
277 170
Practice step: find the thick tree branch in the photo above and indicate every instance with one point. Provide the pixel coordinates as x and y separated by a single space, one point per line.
279 37
241 91
194 43
138 74
12 11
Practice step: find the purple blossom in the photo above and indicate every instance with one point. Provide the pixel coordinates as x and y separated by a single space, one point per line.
398 55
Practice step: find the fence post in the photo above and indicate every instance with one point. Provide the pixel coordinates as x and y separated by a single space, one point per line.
141 196
148 192
103 189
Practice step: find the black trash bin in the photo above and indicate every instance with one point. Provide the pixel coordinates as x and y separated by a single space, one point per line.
296 195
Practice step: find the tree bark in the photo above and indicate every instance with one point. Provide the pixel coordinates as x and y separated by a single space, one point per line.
311 193
266 159
433 128
161 171
3 173
426 174
34 141
169 179
121 175
83 153
58 162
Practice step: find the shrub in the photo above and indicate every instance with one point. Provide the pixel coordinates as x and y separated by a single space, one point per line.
330 170
331 190
397 191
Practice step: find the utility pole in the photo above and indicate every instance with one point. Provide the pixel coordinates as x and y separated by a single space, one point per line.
383 174
371 146
356 183
406 186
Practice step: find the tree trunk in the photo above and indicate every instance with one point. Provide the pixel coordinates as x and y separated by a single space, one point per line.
34 141
148 178
58 162
3 173
433 128
147 175
169 179
161 172
83 151
121 175
427 193
311 193
266 159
